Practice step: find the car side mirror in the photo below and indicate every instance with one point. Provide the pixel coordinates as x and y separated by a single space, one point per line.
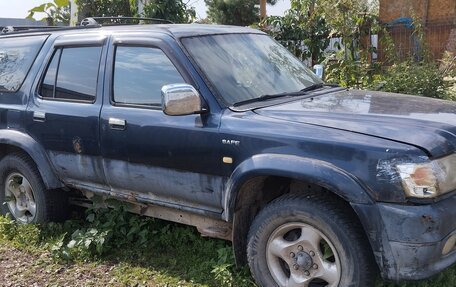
181 100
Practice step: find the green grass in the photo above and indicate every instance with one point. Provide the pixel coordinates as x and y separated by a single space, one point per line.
127 250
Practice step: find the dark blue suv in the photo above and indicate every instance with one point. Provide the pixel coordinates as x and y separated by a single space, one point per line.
222 128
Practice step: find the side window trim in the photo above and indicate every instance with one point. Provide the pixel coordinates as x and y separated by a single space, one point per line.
58 50
60 47
138 43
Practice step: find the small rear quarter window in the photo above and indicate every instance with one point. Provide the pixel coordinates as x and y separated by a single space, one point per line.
16 57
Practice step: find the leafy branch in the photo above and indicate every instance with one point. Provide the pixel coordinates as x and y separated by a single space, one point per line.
57 11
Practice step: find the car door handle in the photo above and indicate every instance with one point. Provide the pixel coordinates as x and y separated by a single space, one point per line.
117 124
39 116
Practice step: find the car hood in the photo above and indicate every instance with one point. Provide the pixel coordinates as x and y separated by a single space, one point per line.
426 123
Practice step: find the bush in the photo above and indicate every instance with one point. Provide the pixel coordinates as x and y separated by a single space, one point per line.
424 79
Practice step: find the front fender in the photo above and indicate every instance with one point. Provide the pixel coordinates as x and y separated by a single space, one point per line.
35 151
309 170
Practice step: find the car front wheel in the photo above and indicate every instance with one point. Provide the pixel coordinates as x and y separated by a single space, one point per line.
310 241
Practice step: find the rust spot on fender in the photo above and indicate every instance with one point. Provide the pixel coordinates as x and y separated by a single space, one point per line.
77 145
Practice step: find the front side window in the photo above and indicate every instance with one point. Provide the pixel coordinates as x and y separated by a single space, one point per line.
140 73
16 57
247 66
72 74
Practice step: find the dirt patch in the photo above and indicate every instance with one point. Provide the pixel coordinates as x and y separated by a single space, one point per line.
18 268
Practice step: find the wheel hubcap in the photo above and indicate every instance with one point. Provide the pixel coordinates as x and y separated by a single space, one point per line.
20 198
298 254
304 260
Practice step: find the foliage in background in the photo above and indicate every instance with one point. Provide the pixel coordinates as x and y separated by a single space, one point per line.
234 12
418 74
353 22
174 10
94 8
56 12
302 30
306 28
416 78
448 64
316 21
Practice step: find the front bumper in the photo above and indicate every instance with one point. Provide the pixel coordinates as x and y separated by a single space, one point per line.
408 241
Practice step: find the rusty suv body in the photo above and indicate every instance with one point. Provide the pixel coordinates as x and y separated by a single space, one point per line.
208 126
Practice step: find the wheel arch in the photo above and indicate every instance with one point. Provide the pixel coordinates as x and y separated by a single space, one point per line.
15 141
262 178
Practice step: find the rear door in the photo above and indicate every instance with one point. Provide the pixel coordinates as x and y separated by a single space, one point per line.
63 114
172 161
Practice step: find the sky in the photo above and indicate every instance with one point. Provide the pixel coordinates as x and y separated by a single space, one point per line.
19 8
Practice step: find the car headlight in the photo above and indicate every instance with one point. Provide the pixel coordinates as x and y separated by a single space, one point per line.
430 179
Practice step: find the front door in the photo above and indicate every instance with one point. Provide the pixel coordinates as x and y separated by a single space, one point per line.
148 155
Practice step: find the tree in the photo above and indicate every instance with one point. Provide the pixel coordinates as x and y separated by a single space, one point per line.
302 30
57 11
93 8
173 10
353 21
234 12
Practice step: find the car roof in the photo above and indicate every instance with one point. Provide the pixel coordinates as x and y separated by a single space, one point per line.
175 30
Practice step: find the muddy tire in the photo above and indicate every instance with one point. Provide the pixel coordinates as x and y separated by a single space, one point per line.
23 194
309 240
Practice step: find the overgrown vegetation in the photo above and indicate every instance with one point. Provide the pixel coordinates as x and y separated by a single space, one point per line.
304 30
423 78
137 251
234 12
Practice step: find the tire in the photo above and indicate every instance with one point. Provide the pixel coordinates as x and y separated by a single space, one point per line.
309 240
23 194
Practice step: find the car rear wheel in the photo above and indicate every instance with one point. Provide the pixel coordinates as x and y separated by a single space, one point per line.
308 241
24 195
20 198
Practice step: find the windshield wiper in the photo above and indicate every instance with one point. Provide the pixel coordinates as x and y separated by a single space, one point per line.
317 86
263 98
286 94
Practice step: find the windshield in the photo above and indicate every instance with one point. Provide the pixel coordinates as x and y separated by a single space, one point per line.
247 66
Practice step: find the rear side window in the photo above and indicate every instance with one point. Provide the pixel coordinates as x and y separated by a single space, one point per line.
16 57
140 73
72 74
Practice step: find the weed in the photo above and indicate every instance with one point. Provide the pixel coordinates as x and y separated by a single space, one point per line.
107 230
225 272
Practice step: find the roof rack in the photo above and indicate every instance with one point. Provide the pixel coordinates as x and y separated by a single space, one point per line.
91 22
95 21
10 29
